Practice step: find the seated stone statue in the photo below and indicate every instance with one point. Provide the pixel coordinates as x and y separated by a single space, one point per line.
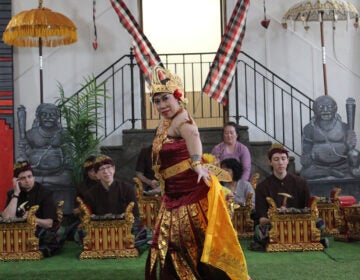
328 143
43 147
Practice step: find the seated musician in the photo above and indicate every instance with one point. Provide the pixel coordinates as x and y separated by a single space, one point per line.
145 172
26 193
239 188
110 196
90 180
280 181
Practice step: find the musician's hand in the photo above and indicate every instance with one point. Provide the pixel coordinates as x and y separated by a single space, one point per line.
25 214
76 211
16 186
230 196
264 221
154 184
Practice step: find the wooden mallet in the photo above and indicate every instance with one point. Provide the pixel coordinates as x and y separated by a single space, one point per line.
285 197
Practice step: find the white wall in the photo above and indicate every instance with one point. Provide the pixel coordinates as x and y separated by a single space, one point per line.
293 54
68 65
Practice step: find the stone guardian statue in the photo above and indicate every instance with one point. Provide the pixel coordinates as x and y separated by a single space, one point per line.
328 143
44 147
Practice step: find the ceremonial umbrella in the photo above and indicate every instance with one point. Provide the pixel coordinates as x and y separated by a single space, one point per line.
320 11
37 28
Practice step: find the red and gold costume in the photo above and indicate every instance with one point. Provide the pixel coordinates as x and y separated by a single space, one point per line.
182 226
193 236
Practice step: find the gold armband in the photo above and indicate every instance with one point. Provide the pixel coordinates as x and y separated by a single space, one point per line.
195 163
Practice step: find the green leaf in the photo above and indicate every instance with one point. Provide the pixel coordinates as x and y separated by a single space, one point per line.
81 114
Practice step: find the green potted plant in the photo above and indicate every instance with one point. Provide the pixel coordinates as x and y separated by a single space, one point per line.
81 113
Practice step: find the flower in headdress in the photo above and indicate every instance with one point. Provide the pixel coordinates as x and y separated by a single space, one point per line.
178 94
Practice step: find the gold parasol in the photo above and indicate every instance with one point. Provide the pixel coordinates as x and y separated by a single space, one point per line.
37 28
320 11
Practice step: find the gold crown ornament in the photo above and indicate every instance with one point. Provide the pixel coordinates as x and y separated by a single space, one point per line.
21 167
277 148
163 81
89 163
102 160
21 164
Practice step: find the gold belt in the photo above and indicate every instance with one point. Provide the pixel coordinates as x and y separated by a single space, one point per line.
176 169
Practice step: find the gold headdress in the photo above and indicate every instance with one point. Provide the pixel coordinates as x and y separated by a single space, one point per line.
163 81
102 160
21 167
277 148
89 163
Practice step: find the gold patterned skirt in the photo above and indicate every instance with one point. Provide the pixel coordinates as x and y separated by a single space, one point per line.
179 239
181 234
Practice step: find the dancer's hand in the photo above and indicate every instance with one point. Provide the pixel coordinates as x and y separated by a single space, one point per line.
203 173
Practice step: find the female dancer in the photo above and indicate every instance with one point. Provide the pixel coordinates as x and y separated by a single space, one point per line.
179 243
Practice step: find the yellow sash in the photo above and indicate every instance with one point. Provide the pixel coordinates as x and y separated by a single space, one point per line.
176 169
221 174
222 248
